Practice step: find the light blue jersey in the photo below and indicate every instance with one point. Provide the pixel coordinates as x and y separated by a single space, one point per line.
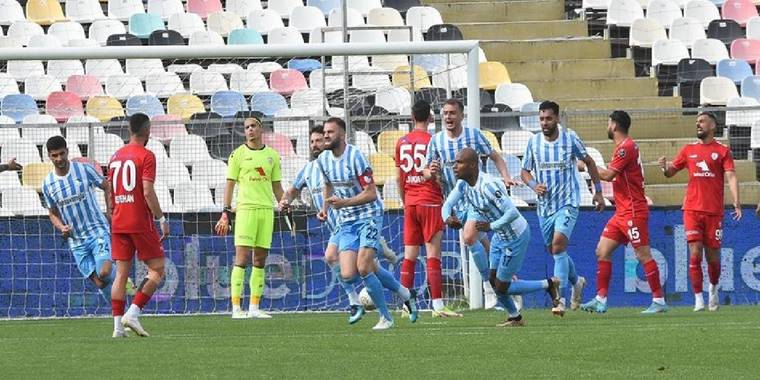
445 149
553 163
75 199
311 179
348 174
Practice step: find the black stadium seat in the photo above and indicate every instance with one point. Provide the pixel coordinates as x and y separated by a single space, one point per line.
206 124
165 37
125 39
461 94
401 5
690 73
443 32
435 96
724 30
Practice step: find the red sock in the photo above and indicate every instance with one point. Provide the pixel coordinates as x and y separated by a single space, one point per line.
653 277
141 299
407 273
713 271
117 307
603 274
695 273
434 277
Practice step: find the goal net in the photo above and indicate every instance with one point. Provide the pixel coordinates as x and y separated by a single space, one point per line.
197 99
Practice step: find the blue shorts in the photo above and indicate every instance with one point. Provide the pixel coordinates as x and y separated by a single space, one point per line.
91 254
506 257
562 221
362 233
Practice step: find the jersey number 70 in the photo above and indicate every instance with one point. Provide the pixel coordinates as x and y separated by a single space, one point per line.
125 170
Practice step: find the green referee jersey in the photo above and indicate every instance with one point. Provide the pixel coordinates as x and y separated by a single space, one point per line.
254 170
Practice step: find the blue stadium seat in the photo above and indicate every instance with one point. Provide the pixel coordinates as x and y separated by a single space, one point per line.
245 37
304 65
324 5
143 24
734 69
147 104
751 87
268 102
228 103
17 106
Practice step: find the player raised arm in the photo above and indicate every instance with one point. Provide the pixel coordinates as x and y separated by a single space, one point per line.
501 166
733 187
11 165
670 169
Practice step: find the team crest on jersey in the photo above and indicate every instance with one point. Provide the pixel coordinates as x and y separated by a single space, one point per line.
714 156
270 161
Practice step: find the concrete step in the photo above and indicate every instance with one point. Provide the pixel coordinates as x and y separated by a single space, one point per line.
592 88
490 11
523 30
508 51
745 170
649 149
660 125
633 103
672 195
571 69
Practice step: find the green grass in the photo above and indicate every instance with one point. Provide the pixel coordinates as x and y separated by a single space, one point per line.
620 344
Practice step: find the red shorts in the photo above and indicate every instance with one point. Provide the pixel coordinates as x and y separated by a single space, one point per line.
147 244
421 223
628 229
704 228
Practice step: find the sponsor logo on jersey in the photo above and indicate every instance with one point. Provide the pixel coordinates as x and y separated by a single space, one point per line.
702 165
261 171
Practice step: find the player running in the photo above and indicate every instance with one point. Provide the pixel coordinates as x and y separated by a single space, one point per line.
549 168
439 162
131 173
487 196
708 162
630 222
255 167
74 211
422 201
350 189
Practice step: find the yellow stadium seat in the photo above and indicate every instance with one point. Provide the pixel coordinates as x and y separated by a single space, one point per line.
184 105
401 78
104 108
386 141
493 140
44 12
383 167
492 74
33 174
391 204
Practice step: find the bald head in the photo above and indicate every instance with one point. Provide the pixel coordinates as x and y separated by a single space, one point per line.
466 165
468 155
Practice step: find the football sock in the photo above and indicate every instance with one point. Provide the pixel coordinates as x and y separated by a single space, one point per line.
407 272
236 284
572 275
438 304
603 274
653 277
695 273
347 287
508 304
561 269
713 271
434 279
257 287
105 292
527 286
140 299
389 282
480 258
375 291
117 310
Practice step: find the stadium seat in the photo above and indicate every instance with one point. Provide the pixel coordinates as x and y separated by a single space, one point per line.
84 86
304 65
143 24
184 105
332 82
33 132
492 140
101 29
8 85
44 12
103 68
395 99
147 104
709 49
248 81
354 17
66 31
62 69
206 38
668 52
444 32
165 8
204 8
224 68
337 62
623 12
165 128
290 169
435 96
384 17
223 23
432 62
364 6
17 106
401 5
754 139
245 37
207 83
422 18
63 104
751 87
280 143
123 9
515 141
287 81
9 181
172 173
24 69
514 166
25 201
286 35
163 85
401 78
10 12
211 124
645 31
717 91
243 8
23 30
165 37
228 103
84 42
283 8
105 146
104 108
192 198
123 86
492 74
745 49
186 23
142 68
9 42
370 81
23 151
293 123
305 19
704 11
739 10
383 168
78 129
325 6
515 95
530 123
45 41
264 20
9 134
663 11
125 39
40 86
753 28
268 102
693 70
188 149
158 149
386 141
734 69
687 30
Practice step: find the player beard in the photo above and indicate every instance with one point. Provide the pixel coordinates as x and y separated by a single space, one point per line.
701 134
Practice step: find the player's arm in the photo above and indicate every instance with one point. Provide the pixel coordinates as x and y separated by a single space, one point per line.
432 167
452 200
57 221
11 165
277 178
497 195
400 182
579 151
606 174
733 187
277 190
501 166
105 185
670 169
151 199
367 195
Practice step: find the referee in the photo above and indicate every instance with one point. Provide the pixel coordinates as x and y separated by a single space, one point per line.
255 167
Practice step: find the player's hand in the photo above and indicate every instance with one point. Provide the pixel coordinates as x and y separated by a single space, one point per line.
66 231
483 226
336 203
13 165
284 205
758 210
435 166
453 222
598 202
164 231
509 182
663 162
222 227
737 214
322 216
540 189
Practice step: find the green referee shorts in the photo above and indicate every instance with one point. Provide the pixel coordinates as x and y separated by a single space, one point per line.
254 228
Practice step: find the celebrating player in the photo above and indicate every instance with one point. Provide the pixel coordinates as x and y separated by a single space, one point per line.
708 162
422 208
73 210
255 167
439 161
629 224
549 168
487 196
350 189
131 172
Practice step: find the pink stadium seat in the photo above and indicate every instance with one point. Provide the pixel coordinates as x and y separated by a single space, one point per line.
739 10
85 86
64 104
748 50
204 8
287 81
280 143
165 127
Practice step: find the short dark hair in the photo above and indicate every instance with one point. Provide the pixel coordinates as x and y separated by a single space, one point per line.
56 143
317 129
710 115
421 110
549 105
338 121
455 102
138 122
622 119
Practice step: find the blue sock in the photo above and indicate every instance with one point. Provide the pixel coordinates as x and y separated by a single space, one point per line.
480 258
353 281
375 290
508 304
526 286
572 275
347 287
561 269
386 278
106 292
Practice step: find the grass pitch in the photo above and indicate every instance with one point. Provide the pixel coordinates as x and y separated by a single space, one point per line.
620 344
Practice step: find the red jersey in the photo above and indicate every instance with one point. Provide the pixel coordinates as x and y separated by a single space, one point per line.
707 164
129 167
628 184
410 158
